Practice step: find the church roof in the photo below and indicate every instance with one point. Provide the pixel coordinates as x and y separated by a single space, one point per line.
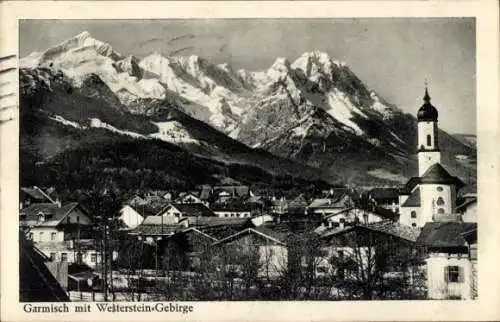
413 200
437 174
444 234
427 112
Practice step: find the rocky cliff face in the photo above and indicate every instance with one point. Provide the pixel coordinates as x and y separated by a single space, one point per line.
313 110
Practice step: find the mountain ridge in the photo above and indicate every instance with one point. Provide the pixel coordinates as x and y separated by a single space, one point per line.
313 110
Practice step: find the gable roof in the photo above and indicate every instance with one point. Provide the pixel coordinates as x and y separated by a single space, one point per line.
341 202
196 230
413 200
37 194
54 213
386 227
444 234
437 174
266 233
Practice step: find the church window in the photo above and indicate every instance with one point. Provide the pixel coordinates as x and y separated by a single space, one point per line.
440 211
440 201
413 214
414 225
429 140
439 189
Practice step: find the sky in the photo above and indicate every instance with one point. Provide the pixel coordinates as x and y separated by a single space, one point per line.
393 56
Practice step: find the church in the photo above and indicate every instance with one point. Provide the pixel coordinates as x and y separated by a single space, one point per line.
430 197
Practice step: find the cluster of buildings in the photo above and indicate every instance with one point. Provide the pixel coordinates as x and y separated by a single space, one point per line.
429 214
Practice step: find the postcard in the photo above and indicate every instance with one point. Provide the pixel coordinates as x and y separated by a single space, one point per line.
249 160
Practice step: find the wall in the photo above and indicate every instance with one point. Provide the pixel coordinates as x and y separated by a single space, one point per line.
405 216
130 217
424 129
437 287
44 234
429 195
427 159
72 218
234 214
469 214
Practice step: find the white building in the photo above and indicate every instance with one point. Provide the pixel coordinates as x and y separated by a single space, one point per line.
432 195
130 217
450 264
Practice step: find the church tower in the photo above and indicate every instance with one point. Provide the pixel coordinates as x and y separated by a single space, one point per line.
428 149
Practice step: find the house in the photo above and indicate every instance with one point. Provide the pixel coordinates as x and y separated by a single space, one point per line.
189 197
330 206
83 251
216 227
365 252
49 222
184 249
385 197
279 206
262 219
358 214
181 210
154 228
232 208
130 217
298 204
449 258
37 283
467 208
261 250
29 196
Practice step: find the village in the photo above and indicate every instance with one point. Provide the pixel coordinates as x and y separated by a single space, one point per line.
227 242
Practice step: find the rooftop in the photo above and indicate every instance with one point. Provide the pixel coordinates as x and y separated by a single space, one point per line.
444 234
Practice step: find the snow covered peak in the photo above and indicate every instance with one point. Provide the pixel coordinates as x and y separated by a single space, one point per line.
279 69
281 64
78 44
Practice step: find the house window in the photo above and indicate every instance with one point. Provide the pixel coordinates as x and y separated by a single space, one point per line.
78 219
41 236
413 214
30 236
64 257
414 225
52 256
93 257
342 220
453 274
79 258
53 236
440 201
429 140
440 211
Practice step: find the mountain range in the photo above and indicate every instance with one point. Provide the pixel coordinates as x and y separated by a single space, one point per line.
311 118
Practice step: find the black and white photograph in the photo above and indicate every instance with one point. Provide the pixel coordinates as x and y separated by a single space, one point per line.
185 160
233 160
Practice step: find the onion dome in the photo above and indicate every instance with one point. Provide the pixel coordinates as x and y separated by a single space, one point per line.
427 112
